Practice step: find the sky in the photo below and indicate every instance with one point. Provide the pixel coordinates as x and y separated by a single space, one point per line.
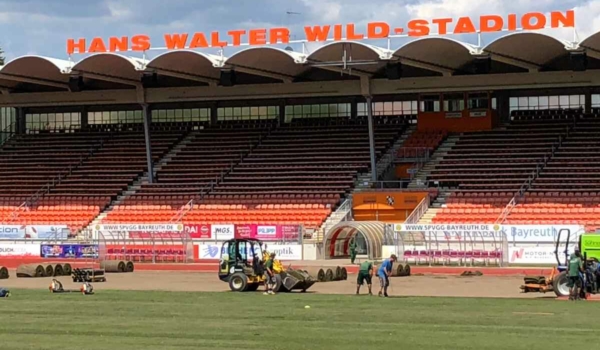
41 27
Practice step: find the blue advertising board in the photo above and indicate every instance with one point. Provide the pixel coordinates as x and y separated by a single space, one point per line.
69 251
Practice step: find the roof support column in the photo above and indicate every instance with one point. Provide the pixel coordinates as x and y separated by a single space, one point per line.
20 116
147 120
365 88
371 138
146 114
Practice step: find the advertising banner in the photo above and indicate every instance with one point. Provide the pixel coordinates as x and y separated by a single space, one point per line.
455 230
72 251
198 231
539 233
268 232
536 255
286 251
34 232
222 232
156 228
513 233
212 251
20 250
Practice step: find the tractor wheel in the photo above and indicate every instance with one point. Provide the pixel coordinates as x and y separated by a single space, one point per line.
560 284
252 287
238 282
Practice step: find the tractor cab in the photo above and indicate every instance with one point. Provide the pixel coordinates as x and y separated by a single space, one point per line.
241 264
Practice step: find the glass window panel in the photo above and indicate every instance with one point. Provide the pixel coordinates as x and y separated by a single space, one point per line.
563 101
44 118
574 101
553 102
273 110
361 108
170 115
595 100
543 102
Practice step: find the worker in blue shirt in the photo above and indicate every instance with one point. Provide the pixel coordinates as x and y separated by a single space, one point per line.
384 273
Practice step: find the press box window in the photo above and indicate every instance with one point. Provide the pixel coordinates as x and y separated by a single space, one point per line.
430 103
454 103
479 101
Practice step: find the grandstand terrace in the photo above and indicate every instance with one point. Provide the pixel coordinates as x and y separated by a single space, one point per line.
272 136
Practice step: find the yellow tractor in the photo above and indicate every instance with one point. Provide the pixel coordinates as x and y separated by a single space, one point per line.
242 267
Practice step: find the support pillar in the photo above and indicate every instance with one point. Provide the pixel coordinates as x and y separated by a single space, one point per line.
147 120
21 126
214 114
371 138
84 117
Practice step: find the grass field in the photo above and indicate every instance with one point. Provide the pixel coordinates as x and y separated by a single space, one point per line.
116 320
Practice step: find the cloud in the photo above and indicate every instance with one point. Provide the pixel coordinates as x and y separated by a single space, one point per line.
42 26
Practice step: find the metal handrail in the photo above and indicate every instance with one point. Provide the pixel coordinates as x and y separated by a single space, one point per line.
418 212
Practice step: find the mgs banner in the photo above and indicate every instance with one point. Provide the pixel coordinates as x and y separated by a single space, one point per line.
72 251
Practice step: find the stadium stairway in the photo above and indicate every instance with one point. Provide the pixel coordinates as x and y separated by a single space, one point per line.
438 203
144 179
438 155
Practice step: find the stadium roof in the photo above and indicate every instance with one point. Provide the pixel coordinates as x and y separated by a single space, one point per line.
522 52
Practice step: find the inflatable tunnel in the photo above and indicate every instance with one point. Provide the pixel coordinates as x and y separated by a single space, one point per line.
337 239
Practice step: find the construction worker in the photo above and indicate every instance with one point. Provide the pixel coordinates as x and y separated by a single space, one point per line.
384 273
575 267
352 250
365 274
269 275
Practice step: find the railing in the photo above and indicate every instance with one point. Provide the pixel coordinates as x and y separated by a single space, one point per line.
418 212
189 206
398 184
342 213
414 154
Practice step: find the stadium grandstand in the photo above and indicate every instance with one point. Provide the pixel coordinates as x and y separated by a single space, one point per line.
506 133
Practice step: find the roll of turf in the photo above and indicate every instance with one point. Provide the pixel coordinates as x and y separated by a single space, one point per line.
338 274
344 274
48 270
113 266
3 273
129 266
406 271
398 270
329 275
30 270
58 270
317 273
67 269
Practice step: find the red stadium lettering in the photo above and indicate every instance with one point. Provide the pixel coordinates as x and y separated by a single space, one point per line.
442 24
512 22
140 43
279 36
236 36
118 44
198 40
464 26
176 41
533 21
378 30
564 20
338 32
489 24
351 34
257 37
75 47
317 33
97 45
418 27
215 40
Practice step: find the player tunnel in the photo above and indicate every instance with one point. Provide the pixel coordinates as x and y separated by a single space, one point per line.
337 239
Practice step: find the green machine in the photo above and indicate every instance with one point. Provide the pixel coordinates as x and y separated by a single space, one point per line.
589 244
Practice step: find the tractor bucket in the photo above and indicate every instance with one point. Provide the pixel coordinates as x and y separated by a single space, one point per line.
297 280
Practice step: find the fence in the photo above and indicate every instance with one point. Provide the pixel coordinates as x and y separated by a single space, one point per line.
448 247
